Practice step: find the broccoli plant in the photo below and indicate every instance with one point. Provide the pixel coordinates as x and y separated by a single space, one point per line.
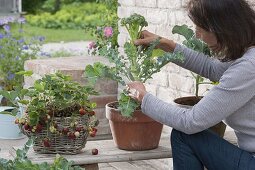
193 43
134 25
136 64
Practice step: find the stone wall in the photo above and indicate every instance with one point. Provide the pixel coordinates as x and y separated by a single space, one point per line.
162 15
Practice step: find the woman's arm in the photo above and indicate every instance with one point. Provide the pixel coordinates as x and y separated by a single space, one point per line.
235 89
194 61
201 64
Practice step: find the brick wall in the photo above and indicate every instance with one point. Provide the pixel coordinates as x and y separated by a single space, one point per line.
162 15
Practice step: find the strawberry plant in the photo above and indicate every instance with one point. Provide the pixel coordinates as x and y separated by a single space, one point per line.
137 64
57 109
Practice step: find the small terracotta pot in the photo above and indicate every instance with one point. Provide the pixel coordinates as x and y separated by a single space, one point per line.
139 132
188 102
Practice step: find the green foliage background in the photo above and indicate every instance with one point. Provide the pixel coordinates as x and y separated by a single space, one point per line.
73 16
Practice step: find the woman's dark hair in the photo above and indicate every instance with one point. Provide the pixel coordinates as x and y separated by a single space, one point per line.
232 21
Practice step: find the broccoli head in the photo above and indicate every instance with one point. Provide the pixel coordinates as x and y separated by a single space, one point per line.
134 25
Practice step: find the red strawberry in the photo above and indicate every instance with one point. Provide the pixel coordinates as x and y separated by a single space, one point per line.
82 111
46 142
39 127
26 127
65 130
71 135
94 129
94 151
79 128
92 133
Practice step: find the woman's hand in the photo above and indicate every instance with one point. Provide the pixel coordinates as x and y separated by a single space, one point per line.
148 37
137 90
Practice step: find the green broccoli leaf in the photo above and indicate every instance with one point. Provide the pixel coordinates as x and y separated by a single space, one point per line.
183 30
127 105
157 53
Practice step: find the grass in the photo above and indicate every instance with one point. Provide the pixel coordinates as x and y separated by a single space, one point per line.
53 35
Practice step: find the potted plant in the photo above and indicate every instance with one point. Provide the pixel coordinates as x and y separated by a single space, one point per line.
131 129
15 49
192 42
58 114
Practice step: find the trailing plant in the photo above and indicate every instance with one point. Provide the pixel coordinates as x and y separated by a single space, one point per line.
196 44
137 64
21 161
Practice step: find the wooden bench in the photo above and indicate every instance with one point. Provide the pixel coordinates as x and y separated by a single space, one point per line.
109 153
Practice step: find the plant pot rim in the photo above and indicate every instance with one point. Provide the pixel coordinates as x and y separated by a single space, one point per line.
115 102
3 108
189 97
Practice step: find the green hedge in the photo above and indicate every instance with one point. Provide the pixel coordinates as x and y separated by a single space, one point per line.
73 16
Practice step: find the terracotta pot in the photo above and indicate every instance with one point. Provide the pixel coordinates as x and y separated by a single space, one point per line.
139 132
188 102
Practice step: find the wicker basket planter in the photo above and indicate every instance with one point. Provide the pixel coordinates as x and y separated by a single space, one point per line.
59 116
59 141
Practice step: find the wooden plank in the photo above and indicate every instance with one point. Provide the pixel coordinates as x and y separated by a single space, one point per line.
145 165
5 154
90 167
124 166
106 166
108 152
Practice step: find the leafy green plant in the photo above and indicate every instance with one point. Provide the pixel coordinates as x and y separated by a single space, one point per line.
137 64
21 162
55 97
196 44
15 49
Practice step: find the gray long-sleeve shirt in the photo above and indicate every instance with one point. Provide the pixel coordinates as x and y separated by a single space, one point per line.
232 100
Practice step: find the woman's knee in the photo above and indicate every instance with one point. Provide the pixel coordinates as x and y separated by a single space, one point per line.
175 136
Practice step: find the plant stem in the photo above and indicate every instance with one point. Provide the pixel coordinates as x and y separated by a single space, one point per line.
197 85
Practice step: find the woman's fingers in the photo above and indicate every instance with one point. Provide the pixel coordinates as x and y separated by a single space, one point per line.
134 93
145 41
136 90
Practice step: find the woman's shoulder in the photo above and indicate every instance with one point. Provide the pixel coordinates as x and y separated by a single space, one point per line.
249 56
247 59
244 65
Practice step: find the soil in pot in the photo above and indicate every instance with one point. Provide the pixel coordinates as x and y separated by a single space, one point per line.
139 132
187 102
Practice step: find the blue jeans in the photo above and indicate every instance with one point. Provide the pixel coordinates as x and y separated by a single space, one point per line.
206 149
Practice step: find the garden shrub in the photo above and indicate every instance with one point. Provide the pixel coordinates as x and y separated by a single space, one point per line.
32 6
73 16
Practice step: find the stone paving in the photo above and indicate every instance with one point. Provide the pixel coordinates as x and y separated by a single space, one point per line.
78 48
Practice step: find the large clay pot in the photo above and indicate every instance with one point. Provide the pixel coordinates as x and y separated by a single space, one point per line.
139 132
188 102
